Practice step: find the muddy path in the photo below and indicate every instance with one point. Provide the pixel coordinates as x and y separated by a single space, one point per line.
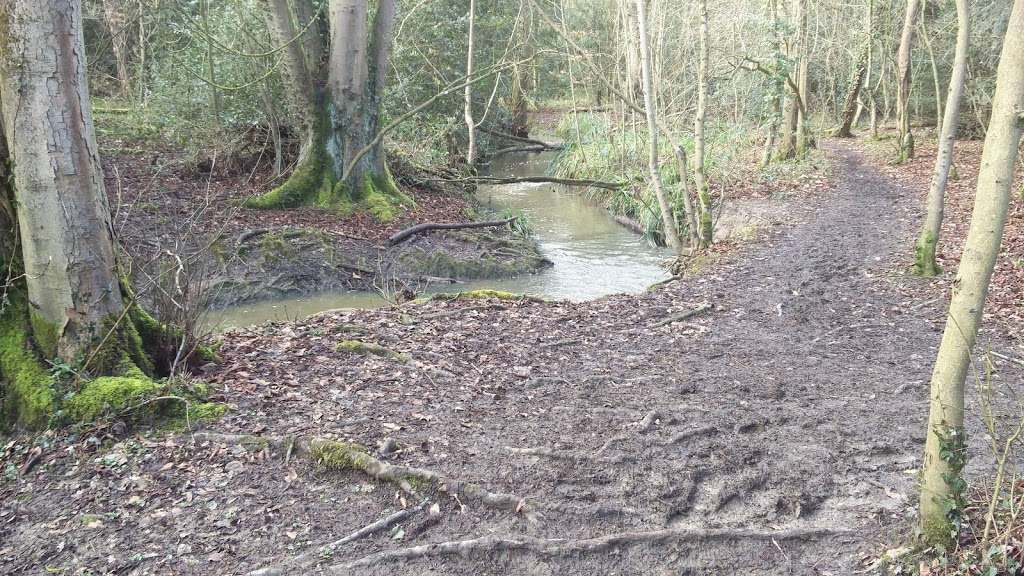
776 433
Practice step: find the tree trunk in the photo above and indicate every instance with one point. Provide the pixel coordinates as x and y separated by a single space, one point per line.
850 107
903 82
924 262
634 80
66 237
468 110
706 232
342 164
803 140
668 221
116 22
945 445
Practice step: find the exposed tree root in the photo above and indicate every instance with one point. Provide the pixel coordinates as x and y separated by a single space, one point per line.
403 235
346 456
683 316
309 558
560 547
694 433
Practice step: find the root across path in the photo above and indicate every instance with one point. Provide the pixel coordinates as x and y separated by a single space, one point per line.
765 417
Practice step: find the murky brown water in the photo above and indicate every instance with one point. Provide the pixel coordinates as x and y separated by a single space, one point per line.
593 255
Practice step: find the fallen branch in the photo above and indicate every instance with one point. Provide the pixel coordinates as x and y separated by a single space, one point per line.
547 180
523 139
560 547
683 316
404 235
530 148
335 455
310 557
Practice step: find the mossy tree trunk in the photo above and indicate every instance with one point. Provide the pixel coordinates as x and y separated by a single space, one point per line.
63 295
66 237
468 95
850 107
341 165
924 261
942 486
903 82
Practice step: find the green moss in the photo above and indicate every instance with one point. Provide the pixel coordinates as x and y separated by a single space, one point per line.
335 455
938 532
484 294
28 398
120 347
109 395
44 334
924 256
364 348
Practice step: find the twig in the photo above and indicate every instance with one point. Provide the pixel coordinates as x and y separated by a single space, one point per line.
308 558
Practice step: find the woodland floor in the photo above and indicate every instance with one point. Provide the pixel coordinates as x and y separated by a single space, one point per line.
777 433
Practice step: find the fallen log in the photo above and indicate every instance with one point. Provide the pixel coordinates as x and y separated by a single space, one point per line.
530 148
548 180
523 139
404 235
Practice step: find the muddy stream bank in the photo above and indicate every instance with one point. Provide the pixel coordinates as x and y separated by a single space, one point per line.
591 254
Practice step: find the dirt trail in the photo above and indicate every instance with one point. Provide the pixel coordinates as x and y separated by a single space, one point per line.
775 434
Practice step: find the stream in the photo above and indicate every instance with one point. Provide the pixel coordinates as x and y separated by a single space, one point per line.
593 255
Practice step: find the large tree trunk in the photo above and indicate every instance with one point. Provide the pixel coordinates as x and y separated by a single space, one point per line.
342 164
66 237
668 221
706 232
945 445
903 82
924 262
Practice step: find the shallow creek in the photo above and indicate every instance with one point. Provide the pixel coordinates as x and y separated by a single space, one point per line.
593 255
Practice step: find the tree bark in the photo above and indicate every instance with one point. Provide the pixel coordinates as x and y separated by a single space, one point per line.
66 236
706 232
850 106
342 163
924 262
903 82
668 221
803 139
944 447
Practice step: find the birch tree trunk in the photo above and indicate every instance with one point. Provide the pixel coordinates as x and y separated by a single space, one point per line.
945 445
66 237
706 232
468 110
903 82
924 261
667 217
